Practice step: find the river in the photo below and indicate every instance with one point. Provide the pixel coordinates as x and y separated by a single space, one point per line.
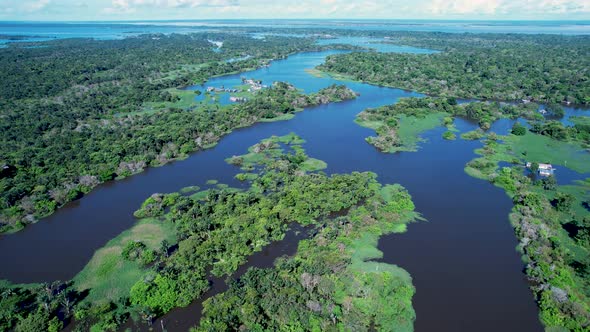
463 261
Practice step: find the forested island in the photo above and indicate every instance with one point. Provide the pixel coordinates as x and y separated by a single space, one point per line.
165 260
399 126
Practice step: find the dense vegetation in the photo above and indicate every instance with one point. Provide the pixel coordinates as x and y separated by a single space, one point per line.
165 260
550 220
493 67
75 112
399 125
579 132
330 284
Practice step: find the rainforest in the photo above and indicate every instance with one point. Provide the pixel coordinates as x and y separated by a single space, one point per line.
306 177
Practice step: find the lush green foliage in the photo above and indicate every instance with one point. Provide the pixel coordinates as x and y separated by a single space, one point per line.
36 307
580 131
146 272
330 284
507 67
551 223
61 140
518 129
449 135
399 125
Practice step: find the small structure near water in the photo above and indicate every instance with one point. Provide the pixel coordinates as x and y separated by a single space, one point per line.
542 169
222 89
238 99
255 85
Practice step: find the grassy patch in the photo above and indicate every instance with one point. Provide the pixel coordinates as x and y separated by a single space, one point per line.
543 149
473 135
191 189
548 228
315 72
312 164
186 101
364 250
108 276
283 117
405 135
449 135
410 128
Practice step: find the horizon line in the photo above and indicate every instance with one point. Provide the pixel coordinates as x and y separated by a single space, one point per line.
307 19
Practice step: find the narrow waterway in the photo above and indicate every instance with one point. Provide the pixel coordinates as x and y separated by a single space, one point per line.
466 271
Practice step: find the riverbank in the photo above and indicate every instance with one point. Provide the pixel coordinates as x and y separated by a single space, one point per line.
550 221
165 262
278 102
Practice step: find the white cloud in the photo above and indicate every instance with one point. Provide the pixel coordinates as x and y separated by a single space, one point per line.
172 3
463 6
507 7
33 6
279 9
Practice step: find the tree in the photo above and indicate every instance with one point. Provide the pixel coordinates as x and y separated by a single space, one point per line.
535 167
549 183
35 322
556 110
563 202
518 129
165 248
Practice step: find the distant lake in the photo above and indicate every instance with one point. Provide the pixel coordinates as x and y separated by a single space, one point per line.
121 29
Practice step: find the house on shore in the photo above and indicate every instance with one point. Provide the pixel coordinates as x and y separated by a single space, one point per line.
543 170
238 99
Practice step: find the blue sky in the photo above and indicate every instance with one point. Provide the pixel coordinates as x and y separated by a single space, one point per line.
223 9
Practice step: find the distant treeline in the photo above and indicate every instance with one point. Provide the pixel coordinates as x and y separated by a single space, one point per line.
542 68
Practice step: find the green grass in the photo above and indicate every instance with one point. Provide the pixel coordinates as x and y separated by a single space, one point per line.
190 189
108 276
336 76
270 149
312 164
473 135
543 149
184 69
449 135
580 120
282 117
200 195
315 72
409 129
291 139
187 100
364 251
581 191
369 124
379 290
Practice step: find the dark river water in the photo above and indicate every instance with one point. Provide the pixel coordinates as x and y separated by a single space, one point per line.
463 261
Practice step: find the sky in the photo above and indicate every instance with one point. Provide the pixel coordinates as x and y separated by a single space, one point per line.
90 10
